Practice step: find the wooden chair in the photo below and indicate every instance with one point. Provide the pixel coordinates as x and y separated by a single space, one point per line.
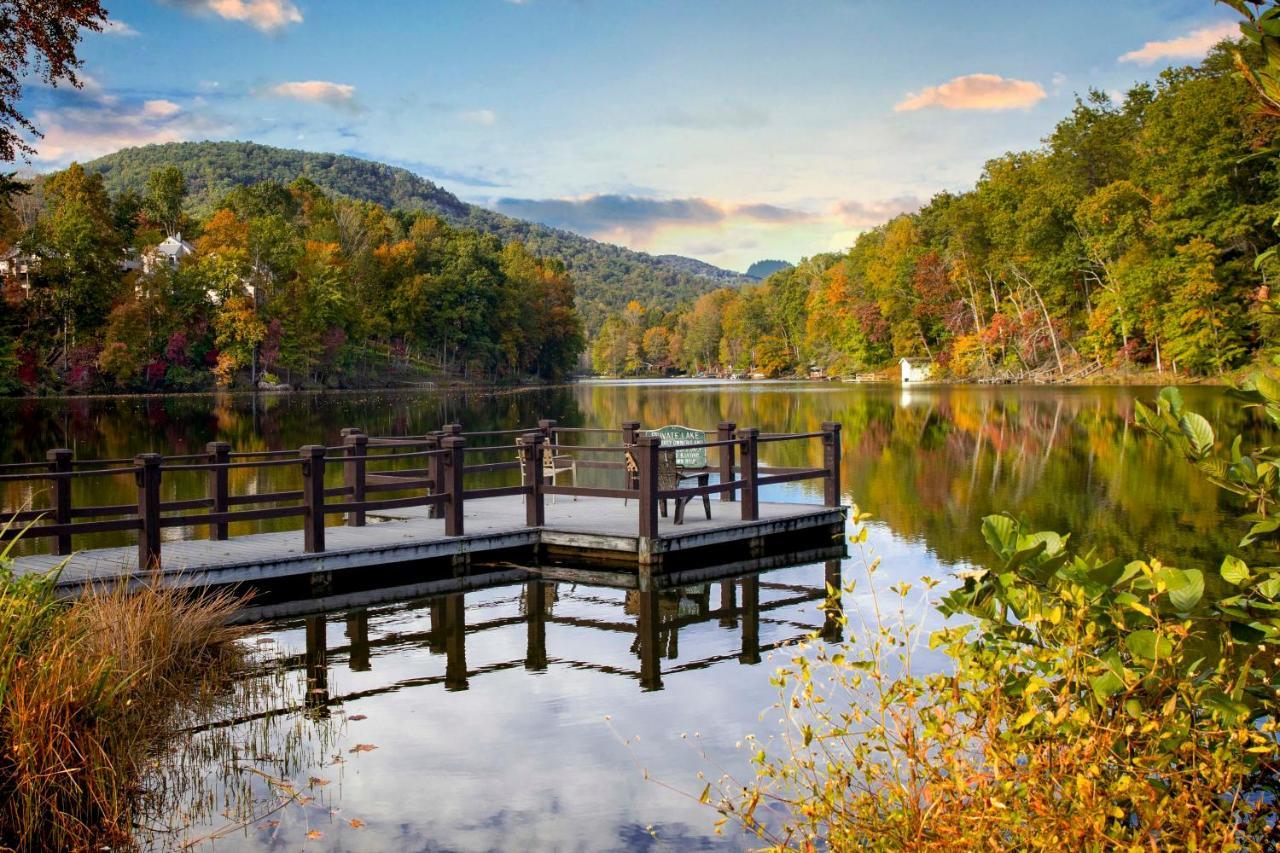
553 465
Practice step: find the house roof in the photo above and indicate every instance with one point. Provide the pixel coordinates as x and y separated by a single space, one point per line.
917 362
175 247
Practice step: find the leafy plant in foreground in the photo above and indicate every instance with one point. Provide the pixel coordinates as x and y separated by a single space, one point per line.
1090 704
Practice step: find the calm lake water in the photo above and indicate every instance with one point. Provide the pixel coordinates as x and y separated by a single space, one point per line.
477 721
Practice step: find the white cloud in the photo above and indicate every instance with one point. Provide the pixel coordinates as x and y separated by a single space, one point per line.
82 133
269 16
485 118
116 27
1193 45
317 91
160 108
868 214
975 92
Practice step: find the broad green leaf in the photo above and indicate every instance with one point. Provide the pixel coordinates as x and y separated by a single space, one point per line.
1234 571
1172 397
999 532
1106 685
1188 595
1267 387
1197 431
1148 644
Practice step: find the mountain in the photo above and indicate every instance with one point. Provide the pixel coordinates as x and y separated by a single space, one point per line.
761 270
606 276
693 266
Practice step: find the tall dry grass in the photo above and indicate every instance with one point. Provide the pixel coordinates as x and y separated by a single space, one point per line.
88 689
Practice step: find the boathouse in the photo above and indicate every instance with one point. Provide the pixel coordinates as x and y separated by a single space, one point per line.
916 370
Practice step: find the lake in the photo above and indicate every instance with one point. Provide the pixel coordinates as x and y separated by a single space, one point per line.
521 714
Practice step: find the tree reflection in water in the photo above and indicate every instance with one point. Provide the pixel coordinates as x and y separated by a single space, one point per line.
271 764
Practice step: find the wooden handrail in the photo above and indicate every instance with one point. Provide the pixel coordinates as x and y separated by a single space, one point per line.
439 486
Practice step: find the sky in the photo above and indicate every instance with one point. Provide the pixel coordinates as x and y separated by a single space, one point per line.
726 130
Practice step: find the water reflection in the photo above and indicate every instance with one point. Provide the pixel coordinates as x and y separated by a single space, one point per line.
415 699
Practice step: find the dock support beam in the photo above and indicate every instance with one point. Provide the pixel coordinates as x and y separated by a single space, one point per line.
455 641
648 628
148 479
535 613
219 489
60 463
724 432
353 472
531 468
313 497
750 620
750 473
831 461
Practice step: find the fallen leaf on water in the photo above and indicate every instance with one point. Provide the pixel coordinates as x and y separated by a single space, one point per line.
304 800
355 717
316 780
356 823
315 835
363 747
271 824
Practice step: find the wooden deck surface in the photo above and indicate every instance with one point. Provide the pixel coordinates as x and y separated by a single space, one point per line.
588 524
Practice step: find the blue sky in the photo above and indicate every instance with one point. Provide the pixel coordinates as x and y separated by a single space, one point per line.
728 130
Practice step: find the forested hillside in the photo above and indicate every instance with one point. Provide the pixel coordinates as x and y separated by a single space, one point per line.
606 276
1135 238
277 284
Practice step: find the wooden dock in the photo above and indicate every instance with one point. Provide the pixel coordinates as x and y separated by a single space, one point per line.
436 518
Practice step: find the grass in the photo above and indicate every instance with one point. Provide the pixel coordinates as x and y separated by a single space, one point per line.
88 690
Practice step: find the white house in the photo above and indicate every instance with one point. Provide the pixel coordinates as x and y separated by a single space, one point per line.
916 370
17 264
171 251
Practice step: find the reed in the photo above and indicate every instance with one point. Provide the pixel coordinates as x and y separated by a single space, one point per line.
89 688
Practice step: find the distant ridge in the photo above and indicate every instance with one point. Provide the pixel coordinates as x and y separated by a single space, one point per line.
761 270
606 276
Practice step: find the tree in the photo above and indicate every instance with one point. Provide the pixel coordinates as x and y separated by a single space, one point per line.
40 37
166 189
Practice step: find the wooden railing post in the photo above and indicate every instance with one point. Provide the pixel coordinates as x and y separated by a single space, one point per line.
60 463
724 432
219 490
647 461
548 427
531 469
353 473
313 497
630 430
148 479
831 461
453 470
435 473
750 473
450 430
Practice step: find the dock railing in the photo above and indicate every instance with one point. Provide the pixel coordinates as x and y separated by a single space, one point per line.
437 481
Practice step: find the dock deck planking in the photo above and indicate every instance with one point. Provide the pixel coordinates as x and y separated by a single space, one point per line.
589 524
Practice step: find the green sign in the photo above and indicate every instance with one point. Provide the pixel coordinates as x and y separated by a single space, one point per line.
676 437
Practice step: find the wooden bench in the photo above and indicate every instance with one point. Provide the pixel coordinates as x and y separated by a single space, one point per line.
679 463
